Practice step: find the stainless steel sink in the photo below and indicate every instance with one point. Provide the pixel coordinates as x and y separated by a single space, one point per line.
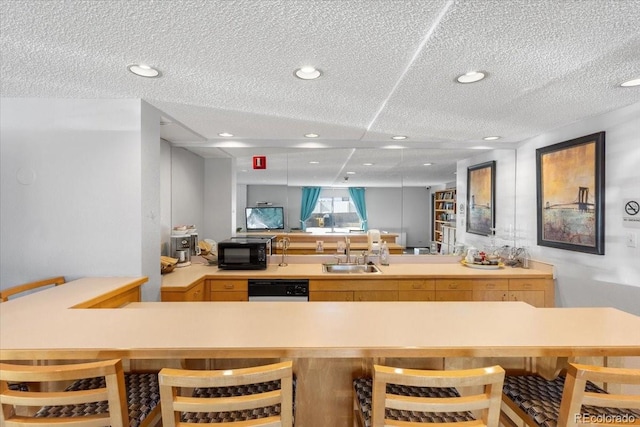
350 268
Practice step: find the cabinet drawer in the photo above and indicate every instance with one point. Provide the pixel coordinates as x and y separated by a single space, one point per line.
454 285
416 285
491 284
454 295
529 284
229 285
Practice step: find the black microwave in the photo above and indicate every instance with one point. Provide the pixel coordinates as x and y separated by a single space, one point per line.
244 253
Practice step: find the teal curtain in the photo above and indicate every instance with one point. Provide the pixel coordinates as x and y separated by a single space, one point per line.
309 199
357 195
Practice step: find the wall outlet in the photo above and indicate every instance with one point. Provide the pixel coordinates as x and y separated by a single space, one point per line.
631 239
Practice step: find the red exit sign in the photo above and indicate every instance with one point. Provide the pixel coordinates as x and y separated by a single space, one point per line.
259 162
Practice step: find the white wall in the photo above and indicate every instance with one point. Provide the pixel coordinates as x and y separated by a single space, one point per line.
583 279
219 199
187 188
72 184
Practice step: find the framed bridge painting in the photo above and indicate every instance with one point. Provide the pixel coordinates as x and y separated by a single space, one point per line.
481 198
570 187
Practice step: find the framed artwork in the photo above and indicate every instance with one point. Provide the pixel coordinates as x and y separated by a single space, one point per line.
570 188
481 185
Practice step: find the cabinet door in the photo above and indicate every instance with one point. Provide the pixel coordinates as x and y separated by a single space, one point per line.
195 293
229 296
375 295
454 290
535 298
331 296
537 292
490 290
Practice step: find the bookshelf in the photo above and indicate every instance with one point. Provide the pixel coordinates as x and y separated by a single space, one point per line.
444 216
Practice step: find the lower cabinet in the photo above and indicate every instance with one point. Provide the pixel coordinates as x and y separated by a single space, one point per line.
353 290
193 293
416 290
537 292
454 290
229 290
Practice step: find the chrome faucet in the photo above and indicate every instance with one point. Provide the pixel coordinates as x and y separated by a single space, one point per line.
347 249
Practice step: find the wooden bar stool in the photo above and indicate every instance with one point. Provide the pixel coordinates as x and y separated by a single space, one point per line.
6 293
89 400
407 397
572 400
258 396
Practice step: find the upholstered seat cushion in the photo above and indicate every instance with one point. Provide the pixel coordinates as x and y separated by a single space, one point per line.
244 390
363 389
540 398
143 395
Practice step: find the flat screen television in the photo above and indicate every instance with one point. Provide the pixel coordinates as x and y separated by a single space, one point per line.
265 218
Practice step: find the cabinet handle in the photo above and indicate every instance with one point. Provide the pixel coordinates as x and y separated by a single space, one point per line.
504 297
490 286
228 286
416 286
515 298
453 286
527 286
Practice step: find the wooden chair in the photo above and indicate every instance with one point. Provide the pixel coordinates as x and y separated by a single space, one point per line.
408 397
535 401
113 414
88 398
6 293
259 396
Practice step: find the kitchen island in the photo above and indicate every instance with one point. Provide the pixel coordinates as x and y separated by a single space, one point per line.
329 342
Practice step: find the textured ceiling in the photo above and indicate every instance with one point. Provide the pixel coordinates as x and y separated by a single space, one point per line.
389 68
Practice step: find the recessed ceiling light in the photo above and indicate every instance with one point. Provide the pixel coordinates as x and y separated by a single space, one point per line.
313 162
351 173
491 138
471 77
143 70
631 83
398 137
307 73
311 135
427 164
226 134
367 164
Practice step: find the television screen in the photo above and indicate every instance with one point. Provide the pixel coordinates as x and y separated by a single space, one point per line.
265 218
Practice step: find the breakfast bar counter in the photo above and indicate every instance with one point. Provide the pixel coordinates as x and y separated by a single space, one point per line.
329 342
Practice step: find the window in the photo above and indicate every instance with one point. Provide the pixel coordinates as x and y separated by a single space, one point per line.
333 213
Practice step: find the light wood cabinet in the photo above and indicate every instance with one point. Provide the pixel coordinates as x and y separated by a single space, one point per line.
454 290
229 290
331 296
491 290
115 300
416 290
195 292
537 292
375 295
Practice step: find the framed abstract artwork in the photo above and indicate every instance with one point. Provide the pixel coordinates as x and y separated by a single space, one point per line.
481 185
570 191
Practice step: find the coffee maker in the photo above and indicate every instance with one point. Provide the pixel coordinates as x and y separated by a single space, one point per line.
181 248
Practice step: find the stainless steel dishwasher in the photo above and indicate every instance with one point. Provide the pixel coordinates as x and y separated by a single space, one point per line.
290 290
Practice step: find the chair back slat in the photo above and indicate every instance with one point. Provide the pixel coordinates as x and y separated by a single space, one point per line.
574 396
490 379
114 394
5 294
175 406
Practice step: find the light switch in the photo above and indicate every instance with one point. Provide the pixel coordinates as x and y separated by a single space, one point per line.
632 241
